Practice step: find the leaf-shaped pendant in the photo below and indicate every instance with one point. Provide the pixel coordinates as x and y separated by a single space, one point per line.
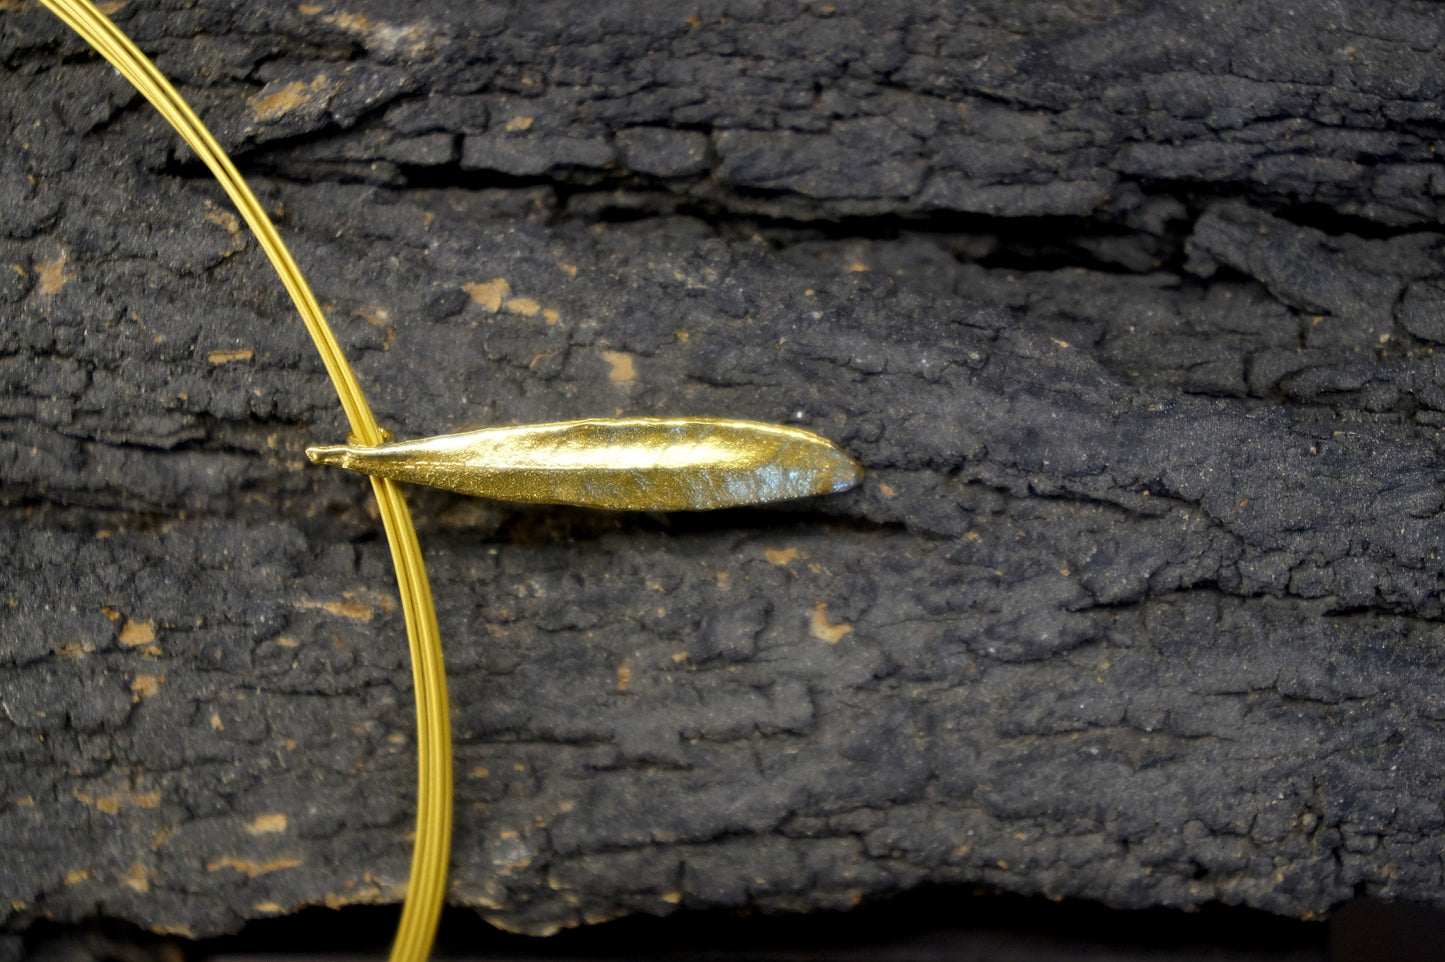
631 464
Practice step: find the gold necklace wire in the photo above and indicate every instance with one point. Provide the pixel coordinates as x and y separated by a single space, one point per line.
426 889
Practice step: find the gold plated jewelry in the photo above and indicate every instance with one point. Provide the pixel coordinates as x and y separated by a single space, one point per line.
623 463
631 464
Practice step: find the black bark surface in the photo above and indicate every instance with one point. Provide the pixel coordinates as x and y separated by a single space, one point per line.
1130 311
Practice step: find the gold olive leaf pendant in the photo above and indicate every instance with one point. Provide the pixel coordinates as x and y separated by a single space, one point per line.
629 464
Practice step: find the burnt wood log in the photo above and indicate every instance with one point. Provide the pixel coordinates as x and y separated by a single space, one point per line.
1130 312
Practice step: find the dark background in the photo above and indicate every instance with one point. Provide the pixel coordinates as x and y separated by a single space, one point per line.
928 924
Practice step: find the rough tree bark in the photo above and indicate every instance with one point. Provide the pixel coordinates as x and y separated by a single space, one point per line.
1130 311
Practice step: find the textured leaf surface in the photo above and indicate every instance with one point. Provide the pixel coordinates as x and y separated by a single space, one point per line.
633 464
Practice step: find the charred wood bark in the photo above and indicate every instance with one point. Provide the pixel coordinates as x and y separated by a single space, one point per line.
1130 314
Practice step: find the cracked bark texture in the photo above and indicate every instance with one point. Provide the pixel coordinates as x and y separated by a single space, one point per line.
1130 311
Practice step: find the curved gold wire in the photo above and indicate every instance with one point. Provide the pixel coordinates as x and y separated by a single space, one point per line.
426 889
